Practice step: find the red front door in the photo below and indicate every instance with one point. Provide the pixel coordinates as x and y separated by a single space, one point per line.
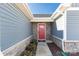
41 31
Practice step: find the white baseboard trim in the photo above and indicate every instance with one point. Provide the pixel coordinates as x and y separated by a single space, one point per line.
57 37
58 41
16 49
71 40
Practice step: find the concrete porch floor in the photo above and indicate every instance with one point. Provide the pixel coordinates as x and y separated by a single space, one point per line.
43 49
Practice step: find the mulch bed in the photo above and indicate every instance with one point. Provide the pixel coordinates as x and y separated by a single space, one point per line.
56 51
30 49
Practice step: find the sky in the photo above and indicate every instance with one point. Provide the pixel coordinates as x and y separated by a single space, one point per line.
43 8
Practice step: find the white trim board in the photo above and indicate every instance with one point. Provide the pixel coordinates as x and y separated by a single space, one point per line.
71 40
17 48
1 53
57 37
73 8
65 27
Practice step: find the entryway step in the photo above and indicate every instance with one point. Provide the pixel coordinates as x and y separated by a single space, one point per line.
43 50
49 41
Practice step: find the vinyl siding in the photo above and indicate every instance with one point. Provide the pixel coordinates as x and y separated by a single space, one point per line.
14 25
75 5
58 27
73 25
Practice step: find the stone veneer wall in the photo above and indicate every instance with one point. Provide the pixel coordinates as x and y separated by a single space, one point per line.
48 29
34 30
71 46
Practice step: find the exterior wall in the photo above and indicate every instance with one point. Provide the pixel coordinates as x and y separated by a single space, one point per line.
17 48
72 24
58 41
48 31
35 30
58 27
42 15
75 5
14 25
58 31
71 44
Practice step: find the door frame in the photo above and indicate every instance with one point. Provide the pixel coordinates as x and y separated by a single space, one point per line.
38 30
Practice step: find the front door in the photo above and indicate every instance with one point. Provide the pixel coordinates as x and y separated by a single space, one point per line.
41 31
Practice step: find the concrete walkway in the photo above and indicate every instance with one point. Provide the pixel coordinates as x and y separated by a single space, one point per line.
43 50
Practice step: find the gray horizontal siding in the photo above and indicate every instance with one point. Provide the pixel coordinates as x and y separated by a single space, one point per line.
55 32
42 15
14 25
73 25
75 5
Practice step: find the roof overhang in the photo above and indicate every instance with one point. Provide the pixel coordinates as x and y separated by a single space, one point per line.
25 9
45 19
58 13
